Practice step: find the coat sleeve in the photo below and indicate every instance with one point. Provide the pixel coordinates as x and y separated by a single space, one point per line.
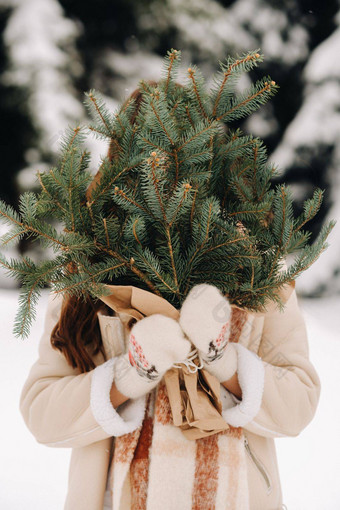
65 408
291 387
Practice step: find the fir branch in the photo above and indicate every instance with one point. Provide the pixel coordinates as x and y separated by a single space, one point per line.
50 196
164 128
91 278
49 234
16 269
282 212
135 232
198 131
175 153
225 243
143 277
99 110
155 179
69 138
12 236
155 146
209 211
123 198
195 193
68 141
192 71
233 65
153 266
238 145
9 215
310 209
189 116
172 258
131 265
102 190
311 253
34 281
70 190
198 157
118 119
106 233
176 203
247 103
173 57
174 108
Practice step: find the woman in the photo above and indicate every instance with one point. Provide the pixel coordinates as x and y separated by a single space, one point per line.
98 388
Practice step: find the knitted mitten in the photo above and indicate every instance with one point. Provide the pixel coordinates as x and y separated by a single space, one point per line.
205 318
155 344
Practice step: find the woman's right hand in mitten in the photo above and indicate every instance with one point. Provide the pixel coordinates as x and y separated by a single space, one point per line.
155 344
205 318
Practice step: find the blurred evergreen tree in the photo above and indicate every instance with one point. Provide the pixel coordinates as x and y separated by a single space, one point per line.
16 130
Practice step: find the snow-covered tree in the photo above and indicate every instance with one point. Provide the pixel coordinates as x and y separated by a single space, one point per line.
315 132
16 130
43 60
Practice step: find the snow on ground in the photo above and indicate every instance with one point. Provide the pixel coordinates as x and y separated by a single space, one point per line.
310 463
35 476
32 476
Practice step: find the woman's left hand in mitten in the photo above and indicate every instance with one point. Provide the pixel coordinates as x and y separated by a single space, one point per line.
205 318
156 343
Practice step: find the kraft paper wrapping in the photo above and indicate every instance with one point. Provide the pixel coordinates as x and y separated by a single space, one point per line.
194 397
195 402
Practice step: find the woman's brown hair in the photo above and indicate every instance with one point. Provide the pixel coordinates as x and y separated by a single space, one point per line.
77 334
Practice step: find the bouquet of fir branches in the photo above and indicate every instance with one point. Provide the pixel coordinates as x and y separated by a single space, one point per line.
182 198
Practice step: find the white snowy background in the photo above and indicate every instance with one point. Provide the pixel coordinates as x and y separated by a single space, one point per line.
45 62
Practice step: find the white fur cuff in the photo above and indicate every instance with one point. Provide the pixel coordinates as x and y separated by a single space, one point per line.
250 373
129 415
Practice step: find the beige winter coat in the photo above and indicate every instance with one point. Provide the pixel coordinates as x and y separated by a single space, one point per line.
60 406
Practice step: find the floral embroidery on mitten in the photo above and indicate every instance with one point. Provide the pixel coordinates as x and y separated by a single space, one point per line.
218 346
139 362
